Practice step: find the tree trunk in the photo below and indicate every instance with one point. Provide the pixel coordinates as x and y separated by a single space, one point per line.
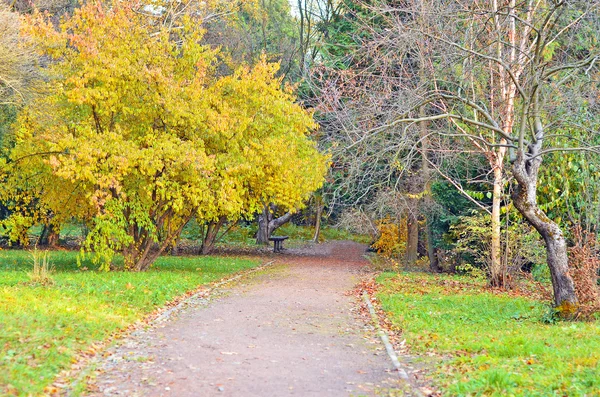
49 236
525 200
267 225
140 255
318 215
412 240
263 234
434 263
210 237
497 270
144 249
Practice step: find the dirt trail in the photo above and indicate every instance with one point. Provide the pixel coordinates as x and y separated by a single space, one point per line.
290 331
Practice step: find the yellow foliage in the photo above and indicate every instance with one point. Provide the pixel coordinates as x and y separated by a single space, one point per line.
392 239
141 133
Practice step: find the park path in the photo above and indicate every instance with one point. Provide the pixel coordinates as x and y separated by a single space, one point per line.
291 330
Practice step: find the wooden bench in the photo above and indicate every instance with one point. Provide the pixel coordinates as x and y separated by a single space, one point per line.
278 242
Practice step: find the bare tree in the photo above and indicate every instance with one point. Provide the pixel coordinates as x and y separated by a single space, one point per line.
534 49
503 76
17 61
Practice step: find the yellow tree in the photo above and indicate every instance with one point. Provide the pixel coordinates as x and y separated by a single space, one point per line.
142 129
264 154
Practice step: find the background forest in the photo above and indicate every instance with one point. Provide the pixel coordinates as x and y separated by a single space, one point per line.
435 121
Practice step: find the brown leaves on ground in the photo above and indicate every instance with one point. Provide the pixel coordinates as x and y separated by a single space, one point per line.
419 374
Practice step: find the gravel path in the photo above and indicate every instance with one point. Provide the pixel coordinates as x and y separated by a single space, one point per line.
288 331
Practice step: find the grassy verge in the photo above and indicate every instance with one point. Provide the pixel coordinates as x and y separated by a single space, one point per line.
491 344
43 327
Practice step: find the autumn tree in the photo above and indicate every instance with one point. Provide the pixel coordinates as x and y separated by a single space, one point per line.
531 50
265 154
141 134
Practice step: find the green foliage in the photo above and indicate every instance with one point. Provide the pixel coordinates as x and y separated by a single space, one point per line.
491 344
8 115
43 328
452 205
352 23
570 189
521 245
541 273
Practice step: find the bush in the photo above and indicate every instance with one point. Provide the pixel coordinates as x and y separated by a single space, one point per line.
392 238
584 265
520 244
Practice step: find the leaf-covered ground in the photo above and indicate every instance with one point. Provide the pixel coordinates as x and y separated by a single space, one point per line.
43 328
491 343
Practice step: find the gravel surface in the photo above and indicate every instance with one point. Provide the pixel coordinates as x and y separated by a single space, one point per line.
291 330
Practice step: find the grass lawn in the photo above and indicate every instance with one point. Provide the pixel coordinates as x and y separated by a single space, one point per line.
491 344
43 327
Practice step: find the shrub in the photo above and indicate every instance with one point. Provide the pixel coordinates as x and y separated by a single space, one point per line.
392 237
584 264
521 246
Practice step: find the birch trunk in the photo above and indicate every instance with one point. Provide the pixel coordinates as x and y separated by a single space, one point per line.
318 215
497 268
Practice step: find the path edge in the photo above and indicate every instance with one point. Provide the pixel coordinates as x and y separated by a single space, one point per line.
160 315
388 345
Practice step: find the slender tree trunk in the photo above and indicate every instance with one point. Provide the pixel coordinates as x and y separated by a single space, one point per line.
434 263
318 215
525 200
497 270
210 237
412 241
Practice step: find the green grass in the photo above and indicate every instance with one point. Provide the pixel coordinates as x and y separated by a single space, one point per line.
68 230
492 344
42 328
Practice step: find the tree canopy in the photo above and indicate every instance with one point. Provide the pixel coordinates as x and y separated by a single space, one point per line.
140 133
